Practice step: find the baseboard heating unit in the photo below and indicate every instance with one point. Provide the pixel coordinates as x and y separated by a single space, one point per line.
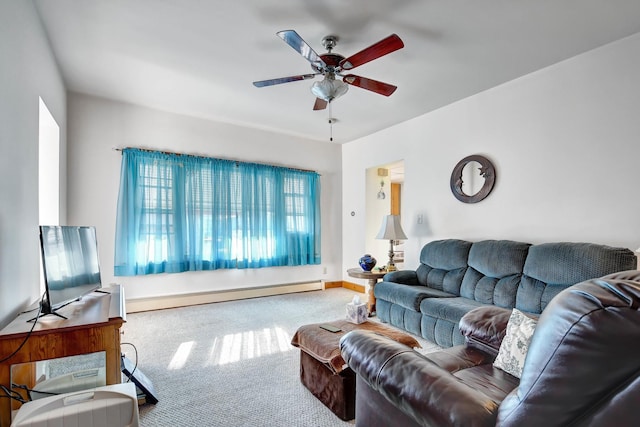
182 300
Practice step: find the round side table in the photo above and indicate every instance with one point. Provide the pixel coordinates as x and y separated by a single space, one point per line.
372 278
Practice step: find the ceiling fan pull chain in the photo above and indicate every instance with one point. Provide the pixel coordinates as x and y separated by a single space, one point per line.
330 124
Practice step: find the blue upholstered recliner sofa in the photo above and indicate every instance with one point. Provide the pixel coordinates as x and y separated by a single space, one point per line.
456 276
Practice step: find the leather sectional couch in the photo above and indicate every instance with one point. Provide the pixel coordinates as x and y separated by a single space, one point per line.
457 276
581 369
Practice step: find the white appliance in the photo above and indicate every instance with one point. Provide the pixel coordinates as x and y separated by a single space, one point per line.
76 381
109 406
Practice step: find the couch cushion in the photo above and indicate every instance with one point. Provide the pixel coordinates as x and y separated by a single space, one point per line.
495 269
451 309
492 382
552 267
459 357
567 263
498 258
407 296
447 254
443 264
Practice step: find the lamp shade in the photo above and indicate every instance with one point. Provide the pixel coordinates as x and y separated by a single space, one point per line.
391 229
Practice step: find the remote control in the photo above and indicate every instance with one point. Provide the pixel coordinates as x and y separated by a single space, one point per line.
330 328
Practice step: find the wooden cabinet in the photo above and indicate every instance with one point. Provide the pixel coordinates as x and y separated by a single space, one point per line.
92 325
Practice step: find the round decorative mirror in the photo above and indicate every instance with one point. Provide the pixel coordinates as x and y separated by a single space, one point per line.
472 179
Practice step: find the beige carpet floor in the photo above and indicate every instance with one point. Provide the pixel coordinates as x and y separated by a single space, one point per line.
231 363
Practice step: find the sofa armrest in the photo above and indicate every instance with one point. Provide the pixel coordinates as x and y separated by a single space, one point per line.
415 385
484 328
407 277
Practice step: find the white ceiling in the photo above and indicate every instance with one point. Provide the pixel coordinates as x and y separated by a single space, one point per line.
199 57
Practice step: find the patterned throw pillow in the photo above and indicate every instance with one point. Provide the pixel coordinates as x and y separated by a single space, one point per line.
515 344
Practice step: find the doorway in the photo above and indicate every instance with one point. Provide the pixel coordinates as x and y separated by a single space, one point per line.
384 188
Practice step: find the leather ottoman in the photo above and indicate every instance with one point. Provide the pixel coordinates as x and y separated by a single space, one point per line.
324 372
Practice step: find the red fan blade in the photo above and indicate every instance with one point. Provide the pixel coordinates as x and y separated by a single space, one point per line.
320 104
373 85
383 47
294 40
281 80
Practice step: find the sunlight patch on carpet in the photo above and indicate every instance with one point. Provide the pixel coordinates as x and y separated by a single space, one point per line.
245 345
181 355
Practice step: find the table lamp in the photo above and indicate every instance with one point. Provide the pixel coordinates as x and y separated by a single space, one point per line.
391 230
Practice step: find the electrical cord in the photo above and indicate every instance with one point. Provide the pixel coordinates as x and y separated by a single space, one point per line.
135 366
27 337
11 394
31 310
30 390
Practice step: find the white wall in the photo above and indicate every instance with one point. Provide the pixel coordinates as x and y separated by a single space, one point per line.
565 144
97 125
28 71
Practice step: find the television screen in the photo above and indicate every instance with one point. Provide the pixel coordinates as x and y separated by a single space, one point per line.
70 263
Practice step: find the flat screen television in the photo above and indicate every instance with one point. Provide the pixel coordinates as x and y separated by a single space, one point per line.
70 264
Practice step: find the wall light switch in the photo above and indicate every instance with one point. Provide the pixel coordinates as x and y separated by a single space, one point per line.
419 218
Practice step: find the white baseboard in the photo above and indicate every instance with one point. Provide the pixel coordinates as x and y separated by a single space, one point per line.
181 300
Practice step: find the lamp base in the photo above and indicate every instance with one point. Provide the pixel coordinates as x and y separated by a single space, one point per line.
391 266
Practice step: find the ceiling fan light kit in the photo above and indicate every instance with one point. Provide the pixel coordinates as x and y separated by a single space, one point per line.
329 89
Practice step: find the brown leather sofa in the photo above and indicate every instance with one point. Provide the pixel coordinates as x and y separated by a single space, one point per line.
582 367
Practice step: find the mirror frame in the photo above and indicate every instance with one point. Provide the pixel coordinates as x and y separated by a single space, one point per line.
487 171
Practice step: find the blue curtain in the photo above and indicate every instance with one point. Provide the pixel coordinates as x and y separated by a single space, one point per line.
180 213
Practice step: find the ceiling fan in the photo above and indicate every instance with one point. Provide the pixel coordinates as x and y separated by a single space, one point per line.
332 65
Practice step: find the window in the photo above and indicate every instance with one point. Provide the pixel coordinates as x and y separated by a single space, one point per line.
48 167
180 213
